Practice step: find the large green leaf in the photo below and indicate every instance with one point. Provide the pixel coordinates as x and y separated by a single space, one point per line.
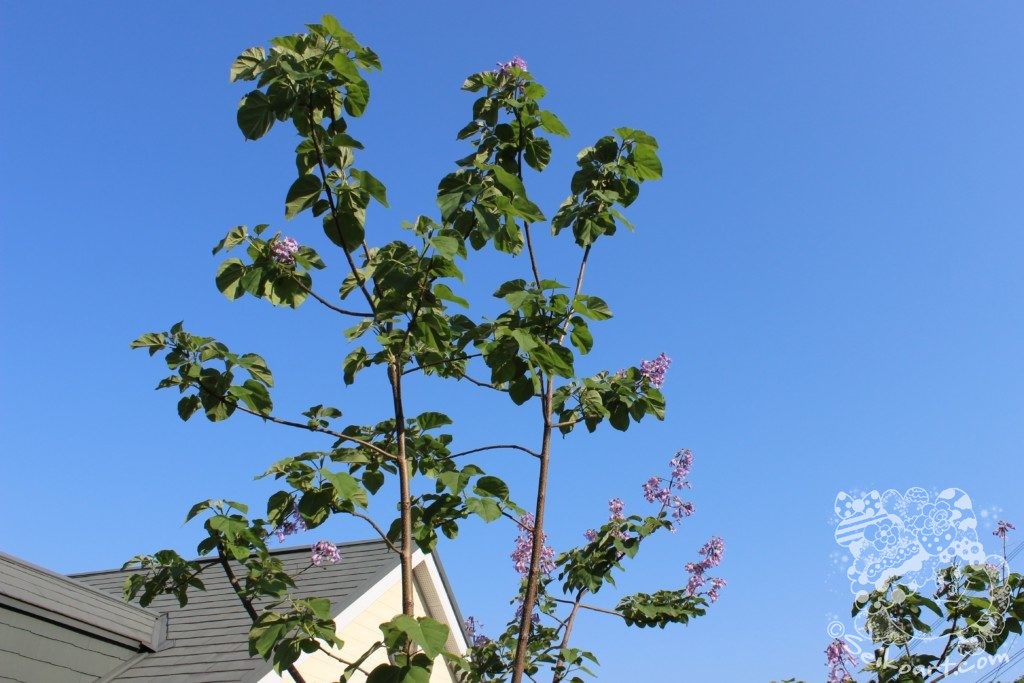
647 163
552 124
245 65
302 194
430 635
229 278
255 115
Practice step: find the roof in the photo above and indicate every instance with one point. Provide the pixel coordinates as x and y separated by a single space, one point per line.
46 595
208 638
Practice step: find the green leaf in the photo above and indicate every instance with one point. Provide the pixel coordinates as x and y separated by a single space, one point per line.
552 124
187 406
508 180
345 229
492 486
551 361
592 307
345 67
302 194
257 367
153 341
647 163
430 635
229 278
485 508
354 362
234 237
200 507
368 182
346 487
245 65
521 390
432 420
373 480
255 115
444 292
358 96
581 338
507 288
445 245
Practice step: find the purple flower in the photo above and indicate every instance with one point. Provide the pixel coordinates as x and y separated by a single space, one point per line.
283 251
615 508
656 489
523 550
654 370
534 618
590 535
1002 528
516 62
472 633
292 524
325 551
717 584
712 552
837 656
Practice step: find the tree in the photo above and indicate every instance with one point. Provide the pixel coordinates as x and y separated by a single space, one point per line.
401 297
973 611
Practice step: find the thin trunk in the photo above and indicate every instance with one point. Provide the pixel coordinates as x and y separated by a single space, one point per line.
533 577
405 503
560 669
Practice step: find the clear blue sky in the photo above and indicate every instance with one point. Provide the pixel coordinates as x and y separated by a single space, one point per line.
834 262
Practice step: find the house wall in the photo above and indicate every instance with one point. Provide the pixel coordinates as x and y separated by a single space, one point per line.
362 632
33 649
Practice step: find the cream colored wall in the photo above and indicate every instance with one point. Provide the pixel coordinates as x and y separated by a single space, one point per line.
361 633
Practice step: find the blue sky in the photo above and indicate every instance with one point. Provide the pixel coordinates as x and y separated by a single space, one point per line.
833 261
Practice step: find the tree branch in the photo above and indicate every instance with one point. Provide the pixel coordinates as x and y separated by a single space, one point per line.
380 532
328 304
246 603
330 432
496 447
347 663
440 362
592 608
561 670
334 211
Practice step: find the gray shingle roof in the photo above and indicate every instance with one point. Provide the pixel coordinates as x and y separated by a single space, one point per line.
51 596
207 640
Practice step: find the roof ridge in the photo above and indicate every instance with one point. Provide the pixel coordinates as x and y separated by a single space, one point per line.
69 578
278 551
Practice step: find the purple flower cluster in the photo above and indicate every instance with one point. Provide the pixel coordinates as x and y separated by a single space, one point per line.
325 551
654 370
1002 528
506 67
837 656
615 508
524 548
475 638
658 489
712 552
292 524
534 618
283 251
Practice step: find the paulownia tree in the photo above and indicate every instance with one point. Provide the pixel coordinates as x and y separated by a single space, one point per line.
407 318
921 638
